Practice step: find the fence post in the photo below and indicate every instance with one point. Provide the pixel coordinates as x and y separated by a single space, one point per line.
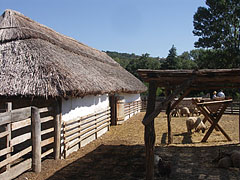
57 130
8 106
36 139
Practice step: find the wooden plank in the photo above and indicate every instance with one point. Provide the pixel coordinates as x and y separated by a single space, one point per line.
47 153
72 126
87 116
5 118
8 128
215 102
16 170
36 140
3 134
69 133
47 141
21 124
83 129
20 139
45 109
15 156
46 119
21 114
57 129
46 131
184 86
68 145
6 150
215 123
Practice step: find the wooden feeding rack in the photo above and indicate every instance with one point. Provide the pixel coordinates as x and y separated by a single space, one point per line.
179 83
213 111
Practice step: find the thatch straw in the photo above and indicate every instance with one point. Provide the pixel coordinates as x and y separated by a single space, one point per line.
37 61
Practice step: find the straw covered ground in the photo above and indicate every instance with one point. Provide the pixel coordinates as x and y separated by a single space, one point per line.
119 154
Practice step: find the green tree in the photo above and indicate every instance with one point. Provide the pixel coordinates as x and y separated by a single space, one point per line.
171 61
143 62
217 26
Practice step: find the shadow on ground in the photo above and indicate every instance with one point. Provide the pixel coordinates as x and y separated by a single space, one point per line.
106 162
122 162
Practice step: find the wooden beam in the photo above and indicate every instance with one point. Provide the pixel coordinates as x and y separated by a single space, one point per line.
149 134
168 112
180 98
185 85
215 123
36 140
8 129
57 129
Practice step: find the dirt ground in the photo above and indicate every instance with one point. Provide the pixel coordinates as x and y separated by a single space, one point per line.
120 154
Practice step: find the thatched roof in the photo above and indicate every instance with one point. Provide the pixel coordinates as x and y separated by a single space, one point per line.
38 61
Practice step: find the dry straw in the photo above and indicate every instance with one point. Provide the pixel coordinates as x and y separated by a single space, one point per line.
38 61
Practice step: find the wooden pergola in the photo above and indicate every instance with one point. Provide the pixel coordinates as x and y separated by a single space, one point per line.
177 83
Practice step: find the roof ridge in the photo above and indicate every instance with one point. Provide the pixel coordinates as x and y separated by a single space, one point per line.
32 29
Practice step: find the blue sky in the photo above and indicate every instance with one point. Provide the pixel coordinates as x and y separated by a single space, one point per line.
132 26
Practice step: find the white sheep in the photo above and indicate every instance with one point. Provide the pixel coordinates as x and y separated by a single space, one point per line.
175 112
185 111
195 123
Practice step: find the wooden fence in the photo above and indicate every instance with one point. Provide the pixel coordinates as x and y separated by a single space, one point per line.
26 136
233 108
132 108
78 130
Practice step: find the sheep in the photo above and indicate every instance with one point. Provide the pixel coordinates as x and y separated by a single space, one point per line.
235 157
194 111
201 127
227 160
195 123
164 168
185 111
175 112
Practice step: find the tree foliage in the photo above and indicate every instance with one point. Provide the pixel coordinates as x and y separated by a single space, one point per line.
217 26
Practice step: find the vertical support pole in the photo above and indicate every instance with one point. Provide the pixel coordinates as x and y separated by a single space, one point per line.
9 130
149 134
113 102
36 139
239 121
57 130
168 112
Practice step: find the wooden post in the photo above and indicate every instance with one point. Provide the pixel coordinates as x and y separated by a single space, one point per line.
149 134
113 107
36 139
239 121
8 128
57 130
168 112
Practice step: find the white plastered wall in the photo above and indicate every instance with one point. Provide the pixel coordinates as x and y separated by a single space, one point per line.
74 108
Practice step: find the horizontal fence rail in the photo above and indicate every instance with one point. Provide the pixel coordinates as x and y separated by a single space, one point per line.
77 130
132 108
17 137
233 108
